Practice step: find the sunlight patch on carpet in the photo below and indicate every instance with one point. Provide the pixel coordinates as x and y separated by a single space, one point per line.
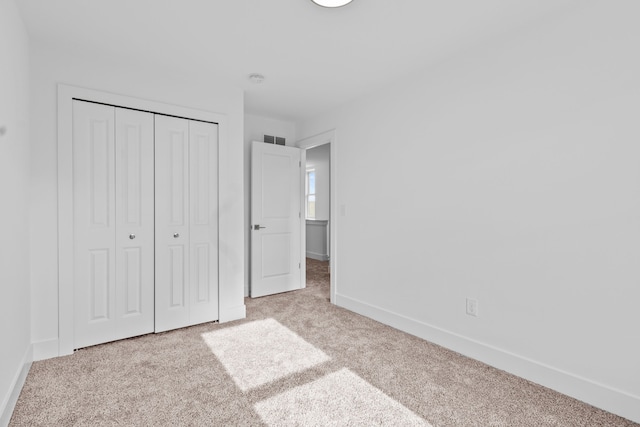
337 399
260 352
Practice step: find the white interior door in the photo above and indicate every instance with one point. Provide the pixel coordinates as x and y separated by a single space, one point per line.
276 219
172 223
94 223
186 218
134 223
203 226
113 200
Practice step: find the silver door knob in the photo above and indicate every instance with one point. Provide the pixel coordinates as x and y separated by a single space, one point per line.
176 235
258 227
132 236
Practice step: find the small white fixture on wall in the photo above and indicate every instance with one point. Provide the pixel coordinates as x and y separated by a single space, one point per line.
256 78
332 3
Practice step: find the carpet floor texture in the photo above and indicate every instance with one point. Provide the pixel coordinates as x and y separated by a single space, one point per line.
295 360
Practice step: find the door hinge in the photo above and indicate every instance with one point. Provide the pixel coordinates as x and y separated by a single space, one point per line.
299 267
299 163
299 214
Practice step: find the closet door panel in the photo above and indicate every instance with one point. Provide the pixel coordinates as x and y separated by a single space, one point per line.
172 222
203 141
134 223
94 223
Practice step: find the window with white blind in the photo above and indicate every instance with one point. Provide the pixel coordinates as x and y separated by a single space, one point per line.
310 194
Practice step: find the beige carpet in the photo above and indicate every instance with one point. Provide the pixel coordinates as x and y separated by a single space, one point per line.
295 360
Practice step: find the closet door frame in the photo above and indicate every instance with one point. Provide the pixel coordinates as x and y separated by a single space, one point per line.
66 95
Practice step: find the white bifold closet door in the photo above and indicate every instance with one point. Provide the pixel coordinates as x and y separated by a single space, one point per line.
113 223
186 222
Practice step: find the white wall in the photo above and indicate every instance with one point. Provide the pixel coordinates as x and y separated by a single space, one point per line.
50 66
509 174
255 127
15 343
318 159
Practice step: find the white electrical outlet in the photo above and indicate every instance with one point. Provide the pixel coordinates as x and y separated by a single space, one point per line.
472 307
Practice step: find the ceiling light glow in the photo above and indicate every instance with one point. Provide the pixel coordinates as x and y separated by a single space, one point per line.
331 3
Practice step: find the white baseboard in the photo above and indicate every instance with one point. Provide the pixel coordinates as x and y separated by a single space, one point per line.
318 257
599 395
6 410
229 314
45 349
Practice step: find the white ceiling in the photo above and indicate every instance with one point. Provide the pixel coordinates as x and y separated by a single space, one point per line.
314 58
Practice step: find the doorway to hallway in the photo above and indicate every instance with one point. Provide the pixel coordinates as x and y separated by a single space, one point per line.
320 200
318 276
